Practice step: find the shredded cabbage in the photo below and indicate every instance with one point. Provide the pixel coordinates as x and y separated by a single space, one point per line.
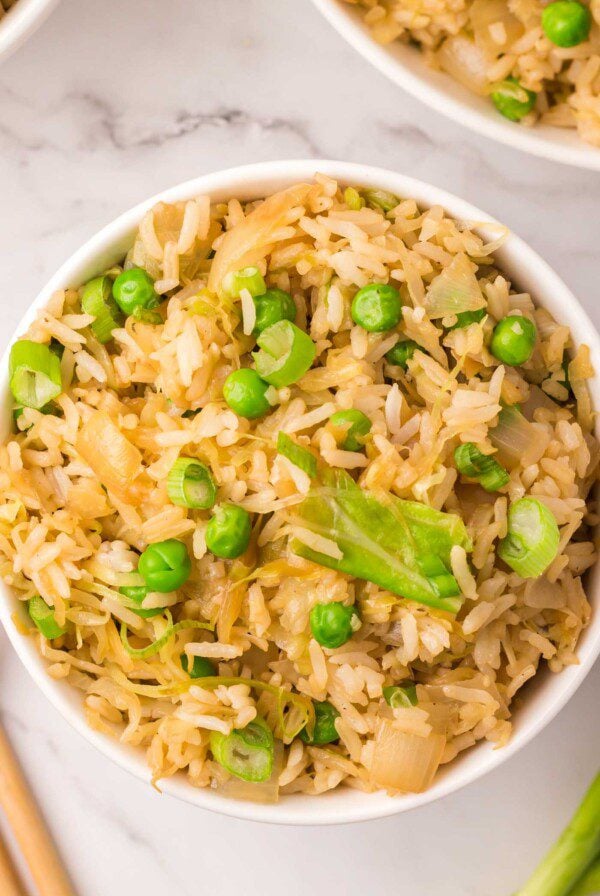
382 539
143 653
455 290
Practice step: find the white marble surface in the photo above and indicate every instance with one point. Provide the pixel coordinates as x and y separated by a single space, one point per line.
108 103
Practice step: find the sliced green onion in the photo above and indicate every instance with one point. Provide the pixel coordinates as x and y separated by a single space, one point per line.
299 456
466 318
404 695
97 300
190 484
589 884
43 617
248 278
443 582
470 461
34 372
532 538
146 315
381 199
494 479
353 199
287 352
247 752
294 711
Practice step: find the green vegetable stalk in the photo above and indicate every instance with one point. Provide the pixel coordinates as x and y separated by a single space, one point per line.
589 885
573 864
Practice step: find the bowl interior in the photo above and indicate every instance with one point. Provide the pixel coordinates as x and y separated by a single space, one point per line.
545 695
406 66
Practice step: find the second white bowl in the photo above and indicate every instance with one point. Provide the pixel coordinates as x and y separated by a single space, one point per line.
406 66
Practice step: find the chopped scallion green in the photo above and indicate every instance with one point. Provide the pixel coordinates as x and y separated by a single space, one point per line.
287 352
43 617
247 753
190 484
299 456
248 278
97 300
470 461
34 372
532 538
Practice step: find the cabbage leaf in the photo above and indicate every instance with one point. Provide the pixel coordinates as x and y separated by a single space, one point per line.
383 539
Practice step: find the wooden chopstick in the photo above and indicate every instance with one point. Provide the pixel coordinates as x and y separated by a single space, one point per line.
10 885
29 829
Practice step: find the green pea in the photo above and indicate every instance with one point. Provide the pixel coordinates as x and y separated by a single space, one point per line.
165 565
137 593
134 289
513 340
228 531
512 100
466 318
355 425
566 23
201 667
333 624
400 354
274 305
377 307
245 393
324 730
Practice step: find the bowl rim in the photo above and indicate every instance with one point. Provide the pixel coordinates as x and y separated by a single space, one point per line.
21 21
554 144
251 181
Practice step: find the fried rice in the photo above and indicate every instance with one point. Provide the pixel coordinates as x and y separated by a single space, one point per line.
84 491
482 43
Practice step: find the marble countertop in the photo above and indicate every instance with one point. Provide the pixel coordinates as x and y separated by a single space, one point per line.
109 102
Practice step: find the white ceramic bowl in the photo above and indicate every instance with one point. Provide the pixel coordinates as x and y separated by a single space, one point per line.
547 693
406 66
21 21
